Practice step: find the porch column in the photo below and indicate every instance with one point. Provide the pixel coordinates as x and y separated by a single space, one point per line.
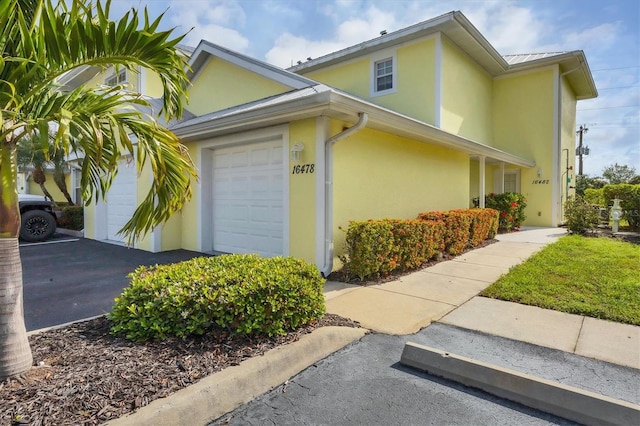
481 182
501 183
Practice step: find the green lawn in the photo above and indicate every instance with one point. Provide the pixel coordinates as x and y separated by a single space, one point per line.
596 277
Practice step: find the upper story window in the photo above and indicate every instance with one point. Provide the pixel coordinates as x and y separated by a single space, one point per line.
384 73
115 79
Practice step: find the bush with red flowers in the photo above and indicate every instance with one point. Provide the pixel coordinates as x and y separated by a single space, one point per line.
511 206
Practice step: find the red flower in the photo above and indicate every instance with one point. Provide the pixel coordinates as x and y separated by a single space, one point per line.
503 214
514 204
491 194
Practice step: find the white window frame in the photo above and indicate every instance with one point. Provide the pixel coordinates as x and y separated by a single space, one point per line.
497 176
116 79
387 55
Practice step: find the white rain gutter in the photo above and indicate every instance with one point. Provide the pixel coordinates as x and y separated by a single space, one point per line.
328 190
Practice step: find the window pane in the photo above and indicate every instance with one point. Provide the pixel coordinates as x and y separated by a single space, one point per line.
384 83
384 75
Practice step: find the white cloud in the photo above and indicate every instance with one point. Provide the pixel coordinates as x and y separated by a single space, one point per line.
599 37
289 48
212 21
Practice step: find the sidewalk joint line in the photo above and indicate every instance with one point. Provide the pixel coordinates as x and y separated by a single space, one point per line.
413 297
575 347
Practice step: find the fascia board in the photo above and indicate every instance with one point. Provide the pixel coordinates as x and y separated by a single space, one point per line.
402 35
311 106
250 64
344 107
575 60
401 125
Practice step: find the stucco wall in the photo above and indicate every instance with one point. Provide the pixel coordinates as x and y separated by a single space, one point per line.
415 94
221 85
467 92
302 191
377 175
523 117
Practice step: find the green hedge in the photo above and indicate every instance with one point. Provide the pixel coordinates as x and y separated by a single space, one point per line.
457 225
511 206
72 218
630 200
375 248
595 197
244 293
581 215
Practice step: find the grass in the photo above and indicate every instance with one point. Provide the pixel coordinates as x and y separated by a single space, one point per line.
595 277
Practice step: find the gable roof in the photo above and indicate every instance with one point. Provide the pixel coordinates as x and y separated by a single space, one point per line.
461 32
206 50
322 100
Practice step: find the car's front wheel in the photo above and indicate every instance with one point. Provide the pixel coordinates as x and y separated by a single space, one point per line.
37 225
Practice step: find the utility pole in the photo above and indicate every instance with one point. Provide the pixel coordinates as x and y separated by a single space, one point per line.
581 150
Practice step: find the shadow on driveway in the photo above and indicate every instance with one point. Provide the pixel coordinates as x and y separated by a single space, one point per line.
71 279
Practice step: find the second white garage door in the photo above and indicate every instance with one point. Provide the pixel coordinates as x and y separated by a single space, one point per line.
248 199
121 199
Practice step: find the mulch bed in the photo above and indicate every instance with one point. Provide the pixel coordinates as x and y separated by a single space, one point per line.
86 376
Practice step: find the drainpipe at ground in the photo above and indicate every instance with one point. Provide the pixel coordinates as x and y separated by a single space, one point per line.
328 190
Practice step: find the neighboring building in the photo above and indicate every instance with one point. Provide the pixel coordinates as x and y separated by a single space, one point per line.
424 118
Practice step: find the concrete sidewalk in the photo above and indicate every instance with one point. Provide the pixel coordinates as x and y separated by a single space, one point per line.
448 292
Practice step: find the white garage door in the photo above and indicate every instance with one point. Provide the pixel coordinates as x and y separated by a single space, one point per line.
248 199
121 199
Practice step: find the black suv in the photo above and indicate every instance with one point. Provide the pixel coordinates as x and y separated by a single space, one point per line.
38 218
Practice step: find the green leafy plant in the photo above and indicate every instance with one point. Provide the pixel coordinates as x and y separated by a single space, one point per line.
457 225
630 201
581 216
72 218
375 248
247 294
511 206
595 196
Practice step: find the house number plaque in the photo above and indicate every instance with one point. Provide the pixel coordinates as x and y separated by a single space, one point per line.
299 169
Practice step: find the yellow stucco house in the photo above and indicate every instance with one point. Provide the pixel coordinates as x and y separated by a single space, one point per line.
424 118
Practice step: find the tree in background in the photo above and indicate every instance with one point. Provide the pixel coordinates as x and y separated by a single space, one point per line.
618 174
41 40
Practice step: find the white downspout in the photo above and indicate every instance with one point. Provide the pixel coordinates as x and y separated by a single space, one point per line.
328 190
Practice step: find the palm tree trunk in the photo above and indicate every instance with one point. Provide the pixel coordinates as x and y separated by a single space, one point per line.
40 178
58 178
15 353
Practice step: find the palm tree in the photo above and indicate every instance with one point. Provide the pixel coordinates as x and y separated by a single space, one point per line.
30 153
40 40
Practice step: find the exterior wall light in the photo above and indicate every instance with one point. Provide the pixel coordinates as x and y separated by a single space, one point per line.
539 172
296 151
616 215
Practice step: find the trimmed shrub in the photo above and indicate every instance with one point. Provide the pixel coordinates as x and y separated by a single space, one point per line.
581 216
630 201
595 196
484 225
457 228
375 248
244 293
72 218
511 206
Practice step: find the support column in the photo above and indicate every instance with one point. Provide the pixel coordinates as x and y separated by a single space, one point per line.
501 184
481 180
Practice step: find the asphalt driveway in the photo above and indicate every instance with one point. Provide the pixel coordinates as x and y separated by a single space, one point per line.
71 279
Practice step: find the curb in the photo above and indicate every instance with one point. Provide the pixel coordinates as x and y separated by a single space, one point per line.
222 392
70 232
562 400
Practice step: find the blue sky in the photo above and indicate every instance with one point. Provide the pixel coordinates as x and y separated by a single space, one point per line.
282 32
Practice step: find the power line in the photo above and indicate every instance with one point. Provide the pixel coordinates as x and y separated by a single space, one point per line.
617 68
621 106
620 87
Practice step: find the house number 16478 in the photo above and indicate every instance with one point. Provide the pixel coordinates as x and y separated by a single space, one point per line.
303 168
